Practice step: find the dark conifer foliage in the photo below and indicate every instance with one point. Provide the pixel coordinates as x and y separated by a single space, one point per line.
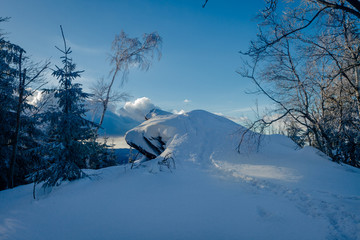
44 146
8 72
70 144
18 131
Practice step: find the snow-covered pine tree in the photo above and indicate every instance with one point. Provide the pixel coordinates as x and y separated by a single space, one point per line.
17 129
7 105
70 143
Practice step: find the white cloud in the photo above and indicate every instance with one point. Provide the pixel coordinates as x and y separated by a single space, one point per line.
137 109
178 112
187 101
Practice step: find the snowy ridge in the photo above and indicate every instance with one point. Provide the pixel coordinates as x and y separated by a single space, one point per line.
213 192
317 186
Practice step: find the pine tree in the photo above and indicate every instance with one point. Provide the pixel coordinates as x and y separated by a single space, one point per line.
15 126
70 143
7 105
18 126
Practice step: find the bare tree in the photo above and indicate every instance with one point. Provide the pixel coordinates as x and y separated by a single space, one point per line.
99 100
129 53
306 60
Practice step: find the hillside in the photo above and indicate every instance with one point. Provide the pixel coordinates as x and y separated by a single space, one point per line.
192 183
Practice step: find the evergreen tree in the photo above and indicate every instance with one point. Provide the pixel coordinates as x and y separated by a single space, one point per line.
70 144
8 73
18 126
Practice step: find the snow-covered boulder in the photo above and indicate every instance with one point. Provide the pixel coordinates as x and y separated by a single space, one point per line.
196 136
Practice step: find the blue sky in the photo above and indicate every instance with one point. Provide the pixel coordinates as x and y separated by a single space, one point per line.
199 54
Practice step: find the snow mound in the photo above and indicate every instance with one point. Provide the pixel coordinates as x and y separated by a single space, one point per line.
271 191
271 163
199 137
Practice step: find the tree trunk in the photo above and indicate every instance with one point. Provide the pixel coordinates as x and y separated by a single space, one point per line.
106 102
357 90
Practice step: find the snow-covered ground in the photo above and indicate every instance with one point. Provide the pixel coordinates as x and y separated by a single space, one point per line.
210 191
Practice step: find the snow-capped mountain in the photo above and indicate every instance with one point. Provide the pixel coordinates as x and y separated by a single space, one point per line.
114 124
118 124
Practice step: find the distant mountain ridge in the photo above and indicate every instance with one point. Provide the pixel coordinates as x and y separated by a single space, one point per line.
114 124
118 124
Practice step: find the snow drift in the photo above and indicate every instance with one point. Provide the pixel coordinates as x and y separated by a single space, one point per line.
271 162
195 136
191 183
199 137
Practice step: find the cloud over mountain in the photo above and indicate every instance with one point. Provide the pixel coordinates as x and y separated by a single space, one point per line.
137 109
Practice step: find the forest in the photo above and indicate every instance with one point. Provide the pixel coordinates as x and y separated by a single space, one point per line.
52 141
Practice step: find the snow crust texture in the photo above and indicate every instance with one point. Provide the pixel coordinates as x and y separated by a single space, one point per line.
192 183
319 188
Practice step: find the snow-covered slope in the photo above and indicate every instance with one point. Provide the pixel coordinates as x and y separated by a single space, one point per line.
210 191
155 112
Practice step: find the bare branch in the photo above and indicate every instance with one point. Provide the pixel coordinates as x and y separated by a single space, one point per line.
205 3
342 7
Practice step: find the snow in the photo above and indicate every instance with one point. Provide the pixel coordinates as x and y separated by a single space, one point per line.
156 112
275 191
